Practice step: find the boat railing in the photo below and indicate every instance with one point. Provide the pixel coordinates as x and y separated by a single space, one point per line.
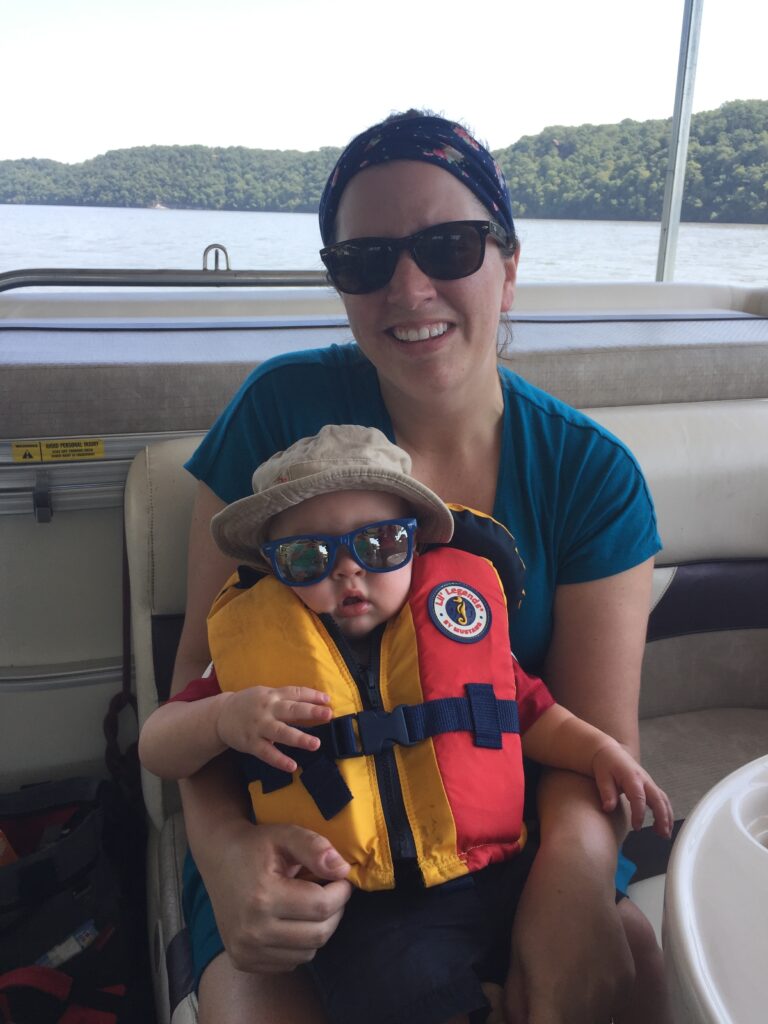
108 278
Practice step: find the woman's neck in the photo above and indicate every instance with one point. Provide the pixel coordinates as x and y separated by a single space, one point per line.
463 418
455 445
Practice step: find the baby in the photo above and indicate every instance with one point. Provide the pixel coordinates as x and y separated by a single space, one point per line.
410 739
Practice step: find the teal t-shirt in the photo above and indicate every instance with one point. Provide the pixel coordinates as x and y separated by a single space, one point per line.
569 491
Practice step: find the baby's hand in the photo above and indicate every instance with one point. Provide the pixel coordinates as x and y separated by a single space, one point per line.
253 720
616 771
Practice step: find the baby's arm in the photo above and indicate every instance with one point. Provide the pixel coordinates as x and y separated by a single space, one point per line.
180 737
561 740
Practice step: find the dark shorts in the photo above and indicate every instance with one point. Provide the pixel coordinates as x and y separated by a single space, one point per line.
398 956
419 955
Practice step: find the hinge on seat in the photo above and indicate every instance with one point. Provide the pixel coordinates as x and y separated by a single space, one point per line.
41 497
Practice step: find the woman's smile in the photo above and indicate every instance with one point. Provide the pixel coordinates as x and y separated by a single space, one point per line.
450 326
420 332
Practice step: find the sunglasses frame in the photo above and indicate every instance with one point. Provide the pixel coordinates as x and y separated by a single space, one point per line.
392 247
334 542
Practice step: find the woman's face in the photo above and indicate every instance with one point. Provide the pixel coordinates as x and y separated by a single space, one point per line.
424 336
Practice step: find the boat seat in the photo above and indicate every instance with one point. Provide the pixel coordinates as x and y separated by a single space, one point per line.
704 700
704 693
158 510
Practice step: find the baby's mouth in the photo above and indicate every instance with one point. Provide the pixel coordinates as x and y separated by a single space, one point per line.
353 605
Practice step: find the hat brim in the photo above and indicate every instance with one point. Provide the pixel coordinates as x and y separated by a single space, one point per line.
240 529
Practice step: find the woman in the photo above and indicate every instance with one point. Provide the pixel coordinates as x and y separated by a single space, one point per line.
425 313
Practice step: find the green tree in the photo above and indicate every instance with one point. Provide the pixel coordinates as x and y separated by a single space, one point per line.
614 171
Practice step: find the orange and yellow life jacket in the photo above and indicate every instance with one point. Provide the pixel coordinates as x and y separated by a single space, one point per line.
422 760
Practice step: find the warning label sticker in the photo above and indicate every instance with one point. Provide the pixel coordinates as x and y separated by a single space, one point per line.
69 449
26 451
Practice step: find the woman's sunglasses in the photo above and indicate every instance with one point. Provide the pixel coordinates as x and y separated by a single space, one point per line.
445 252
307 559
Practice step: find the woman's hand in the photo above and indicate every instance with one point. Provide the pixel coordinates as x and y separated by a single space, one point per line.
253 720
270 920
276 921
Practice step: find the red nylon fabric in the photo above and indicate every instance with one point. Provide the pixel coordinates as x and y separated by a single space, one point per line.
485 787
45 979
196 689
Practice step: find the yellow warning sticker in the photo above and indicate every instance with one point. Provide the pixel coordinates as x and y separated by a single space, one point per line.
72 449
67 449
26 451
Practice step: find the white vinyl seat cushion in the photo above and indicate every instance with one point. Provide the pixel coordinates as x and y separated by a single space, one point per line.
158 508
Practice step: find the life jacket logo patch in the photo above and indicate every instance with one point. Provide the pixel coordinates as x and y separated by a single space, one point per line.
459 611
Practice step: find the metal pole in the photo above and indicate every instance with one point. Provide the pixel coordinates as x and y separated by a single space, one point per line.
117 278
678 144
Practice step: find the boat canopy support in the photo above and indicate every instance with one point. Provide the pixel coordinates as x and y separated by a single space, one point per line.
678 144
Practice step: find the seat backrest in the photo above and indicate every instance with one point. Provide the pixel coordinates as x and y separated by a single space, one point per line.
159 494
707 467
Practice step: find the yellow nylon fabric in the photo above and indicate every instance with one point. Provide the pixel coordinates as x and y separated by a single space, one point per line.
264 635
267 637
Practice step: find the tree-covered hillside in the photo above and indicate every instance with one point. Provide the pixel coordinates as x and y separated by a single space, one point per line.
181 177
617 171
592 171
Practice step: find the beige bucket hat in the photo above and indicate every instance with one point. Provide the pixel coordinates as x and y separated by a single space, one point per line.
338 458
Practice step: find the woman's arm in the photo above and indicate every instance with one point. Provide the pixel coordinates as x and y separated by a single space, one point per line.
598 640
207 572
567 914
269 919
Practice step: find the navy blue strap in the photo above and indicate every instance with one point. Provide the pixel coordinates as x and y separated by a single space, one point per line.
480 713
256 770
320 776
372 731
325 784
486 719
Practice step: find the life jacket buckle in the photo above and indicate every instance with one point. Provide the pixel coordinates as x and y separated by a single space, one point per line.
379 730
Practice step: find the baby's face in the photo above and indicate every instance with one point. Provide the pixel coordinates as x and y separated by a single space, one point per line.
357 599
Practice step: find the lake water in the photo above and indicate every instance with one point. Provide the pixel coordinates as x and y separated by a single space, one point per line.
553 250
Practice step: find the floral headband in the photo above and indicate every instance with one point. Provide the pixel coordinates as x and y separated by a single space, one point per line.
431 140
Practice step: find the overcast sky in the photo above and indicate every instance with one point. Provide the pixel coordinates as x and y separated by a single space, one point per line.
80 77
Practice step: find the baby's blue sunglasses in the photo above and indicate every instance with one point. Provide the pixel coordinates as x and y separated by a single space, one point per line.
308 558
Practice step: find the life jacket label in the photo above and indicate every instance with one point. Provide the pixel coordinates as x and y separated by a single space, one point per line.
459 611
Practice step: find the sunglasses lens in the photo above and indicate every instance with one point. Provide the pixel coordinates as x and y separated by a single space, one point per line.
383 547
450 251
301 561
380 547
445 252
360 267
